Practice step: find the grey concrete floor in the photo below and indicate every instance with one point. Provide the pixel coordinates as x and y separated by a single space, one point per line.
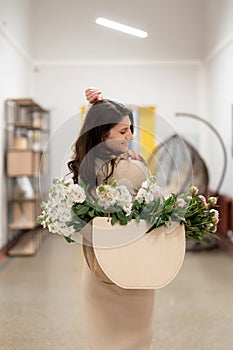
40 302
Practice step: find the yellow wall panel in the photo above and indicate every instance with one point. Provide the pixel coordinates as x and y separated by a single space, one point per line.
147 130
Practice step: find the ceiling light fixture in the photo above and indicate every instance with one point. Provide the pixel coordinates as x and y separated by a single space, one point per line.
121 27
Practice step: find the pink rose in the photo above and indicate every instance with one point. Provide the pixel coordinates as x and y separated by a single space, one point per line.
194 189
212 227
202 198
215 217
212 201
180 203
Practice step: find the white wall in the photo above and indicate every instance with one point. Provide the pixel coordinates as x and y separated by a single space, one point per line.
220 100
170 87
219 79
15 73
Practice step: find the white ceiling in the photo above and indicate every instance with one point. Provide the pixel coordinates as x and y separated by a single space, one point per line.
65 30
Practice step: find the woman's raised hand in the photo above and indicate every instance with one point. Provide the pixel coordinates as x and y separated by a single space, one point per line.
93 95
133 155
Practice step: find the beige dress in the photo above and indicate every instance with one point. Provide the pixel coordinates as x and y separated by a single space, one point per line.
117 318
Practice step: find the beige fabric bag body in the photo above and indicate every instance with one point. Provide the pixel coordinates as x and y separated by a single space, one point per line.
131 258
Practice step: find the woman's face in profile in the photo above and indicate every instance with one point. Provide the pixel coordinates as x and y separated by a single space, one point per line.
119 136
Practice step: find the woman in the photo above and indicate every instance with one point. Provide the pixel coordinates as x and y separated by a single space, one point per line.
117 318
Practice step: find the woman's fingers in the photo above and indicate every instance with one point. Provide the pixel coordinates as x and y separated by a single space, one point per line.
133 155
93 95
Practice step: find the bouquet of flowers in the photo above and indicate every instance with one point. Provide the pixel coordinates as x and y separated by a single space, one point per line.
70 207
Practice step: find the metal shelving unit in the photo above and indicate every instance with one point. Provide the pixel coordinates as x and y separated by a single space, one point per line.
27 172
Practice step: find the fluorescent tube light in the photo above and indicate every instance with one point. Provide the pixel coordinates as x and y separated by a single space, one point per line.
121 27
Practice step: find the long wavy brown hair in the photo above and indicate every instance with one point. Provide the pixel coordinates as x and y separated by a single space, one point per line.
100 118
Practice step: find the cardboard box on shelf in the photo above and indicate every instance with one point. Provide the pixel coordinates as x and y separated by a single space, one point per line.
23 162
25 214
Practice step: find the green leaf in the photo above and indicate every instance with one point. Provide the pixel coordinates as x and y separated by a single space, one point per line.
120 215
123 222
114 219
91 213
68 239
80 209
168 208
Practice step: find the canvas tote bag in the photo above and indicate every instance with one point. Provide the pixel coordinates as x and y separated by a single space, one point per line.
134 259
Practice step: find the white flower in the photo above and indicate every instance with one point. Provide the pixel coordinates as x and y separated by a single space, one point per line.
141 195
75 194
124 197
128 209
149 191
112 195
106 196
57 211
